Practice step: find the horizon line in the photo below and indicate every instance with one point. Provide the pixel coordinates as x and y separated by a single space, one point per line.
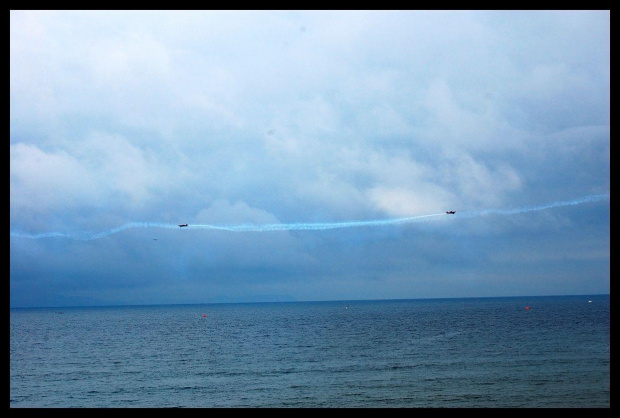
306 301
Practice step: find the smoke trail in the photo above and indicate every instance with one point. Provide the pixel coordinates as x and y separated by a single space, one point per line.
313 226
586 199
85 236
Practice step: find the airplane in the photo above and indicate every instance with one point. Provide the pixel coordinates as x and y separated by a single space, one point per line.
182 225
450 212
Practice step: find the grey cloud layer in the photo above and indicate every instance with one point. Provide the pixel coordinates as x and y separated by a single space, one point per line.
286 116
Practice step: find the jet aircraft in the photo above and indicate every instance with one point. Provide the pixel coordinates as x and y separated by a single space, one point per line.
450 212
182 225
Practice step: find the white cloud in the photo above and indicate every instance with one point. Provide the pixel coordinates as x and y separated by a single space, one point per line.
403 202
126 58
364 103
48 181
222 212
102 170
478 183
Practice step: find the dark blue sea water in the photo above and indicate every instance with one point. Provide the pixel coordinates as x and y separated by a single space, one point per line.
447 353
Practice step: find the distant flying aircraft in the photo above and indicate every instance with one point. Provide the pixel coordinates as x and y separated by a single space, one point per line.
182 225
450 212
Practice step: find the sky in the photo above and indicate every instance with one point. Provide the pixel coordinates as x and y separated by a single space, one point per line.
313 154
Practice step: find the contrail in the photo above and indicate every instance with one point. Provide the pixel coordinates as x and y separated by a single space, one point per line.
313 226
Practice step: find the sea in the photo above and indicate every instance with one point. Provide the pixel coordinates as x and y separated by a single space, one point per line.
509 352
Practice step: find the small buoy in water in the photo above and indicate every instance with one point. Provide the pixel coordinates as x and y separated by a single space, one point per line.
527 308
204 315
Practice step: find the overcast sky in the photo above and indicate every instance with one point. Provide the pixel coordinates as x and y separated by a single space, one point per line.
257 118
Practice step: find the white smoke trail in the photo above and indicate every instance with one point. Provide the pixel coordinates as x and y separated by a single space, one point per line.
585 199
85 236
313 226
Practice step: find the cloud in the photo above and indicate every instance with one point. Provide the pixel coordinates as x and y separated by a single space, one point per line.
49 180
298 116
92 174
223 213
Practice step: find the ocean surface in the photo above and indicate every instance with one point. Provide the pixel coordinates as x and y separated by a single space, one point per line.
433 353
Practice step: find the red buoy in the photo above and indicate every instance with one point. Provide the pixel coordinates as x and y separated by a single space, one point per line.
204 315
527 308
